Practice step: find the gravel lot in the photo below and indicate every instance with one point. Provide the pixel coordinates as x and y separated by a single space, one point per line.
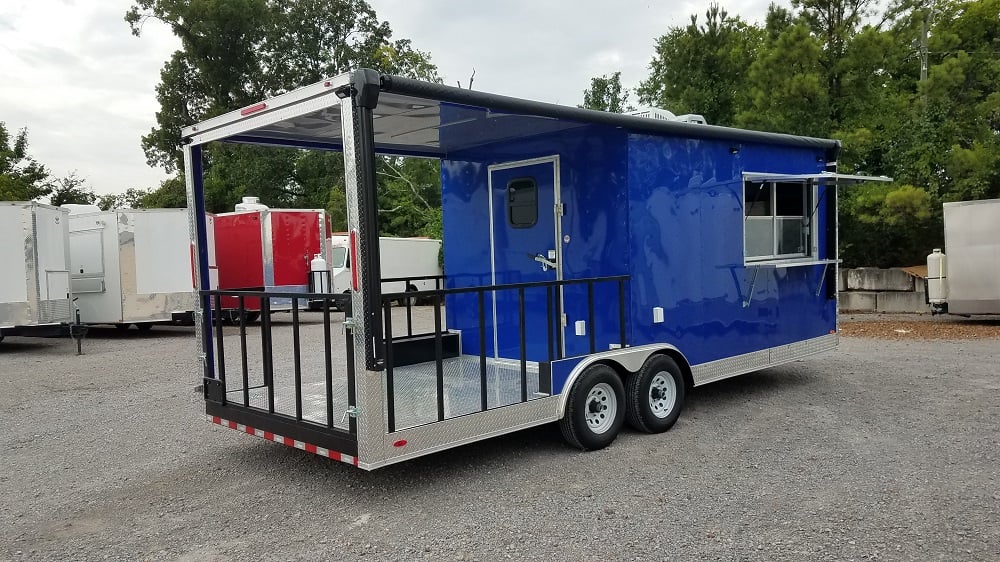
883 450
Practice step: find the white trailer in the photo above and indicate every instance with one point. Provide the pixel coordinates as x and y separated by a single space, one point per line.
132 266
408 264
35 287
967 281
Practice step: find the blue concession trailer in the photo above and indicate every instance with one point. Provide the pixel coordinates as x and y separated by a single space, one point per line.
597 267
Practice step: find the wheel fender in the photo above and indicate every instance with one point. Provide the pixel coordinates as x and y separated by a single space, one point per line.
630 359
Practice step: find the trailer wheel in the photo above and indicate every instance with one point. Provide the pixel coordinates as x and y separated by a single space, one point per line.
232 316
412 300
655 395
595 410
144 326
121 327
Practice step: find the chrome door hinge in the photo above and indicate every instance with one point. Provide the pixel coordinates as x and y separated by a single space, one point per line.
348 324
560 209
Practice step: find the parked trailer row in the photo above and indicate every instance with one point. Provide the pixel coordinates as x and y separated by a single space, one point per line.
135 266
597 266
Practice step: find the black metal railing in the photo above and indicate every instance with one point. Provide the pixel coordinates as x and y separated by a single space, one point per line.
409 301
554 347
272 384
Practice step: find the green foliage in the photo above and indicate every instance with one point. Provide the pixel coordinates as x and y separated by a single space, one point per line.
409 195
817 70
21 177
606 94
887 225
703 68
172 193
787 89
132 198
72 189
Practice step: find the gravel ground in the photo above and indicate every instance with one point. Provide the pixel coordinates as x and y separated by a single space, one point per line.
919 327
882 450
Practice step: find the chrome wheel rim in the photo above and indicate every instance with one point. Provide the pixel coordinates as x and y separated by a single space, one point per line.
662 394
601 408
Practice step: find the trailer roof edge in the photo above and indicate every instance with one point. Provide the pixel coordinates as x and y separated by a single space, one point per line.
441 92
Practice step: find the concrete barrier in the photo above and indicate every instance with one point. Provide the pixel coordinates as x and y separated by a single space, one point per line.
901 302
875 279
871 289
858 301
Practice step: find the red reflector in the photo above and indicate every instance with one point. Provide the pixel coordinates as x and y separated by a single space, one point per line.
253 108
400 443
354 257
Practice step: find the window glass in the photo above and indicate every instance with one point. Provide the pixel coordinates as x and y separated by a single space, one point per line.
791 236
759 237
338 256
789 199
776 220
758 199
522 203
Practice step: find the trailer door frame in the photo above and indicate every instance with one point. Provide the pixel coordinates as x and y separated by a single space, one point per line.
557 244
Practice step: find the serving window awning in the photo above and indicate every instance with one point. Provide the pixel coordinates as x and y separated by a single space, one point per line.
829 178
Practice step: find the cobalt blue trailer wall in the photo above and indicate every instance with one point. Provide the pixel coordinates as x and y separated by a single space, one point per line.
593 180
669 212
687 251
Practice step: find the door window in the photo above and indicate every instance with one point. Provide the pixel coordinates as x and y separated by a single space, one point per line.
522 203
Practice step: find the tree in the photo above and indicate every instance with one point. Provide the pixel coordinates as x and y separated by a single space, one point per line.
834 23
787 89
21 177
132 198
172 193
72 189
606 94
703 68
889 225
409 196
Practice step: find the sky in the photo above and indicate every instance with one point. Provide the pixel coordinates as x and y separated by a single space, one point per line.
72 72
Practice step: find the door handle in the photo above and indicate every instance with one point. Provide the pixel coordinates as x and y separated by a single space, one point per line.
546 264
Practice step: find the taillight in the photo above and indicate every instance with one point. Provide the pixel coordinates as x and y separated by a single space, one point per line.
353 237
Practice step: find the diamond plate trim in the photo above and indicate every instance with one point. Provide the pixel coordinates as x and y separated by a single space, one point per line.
446 434
369 385
757 360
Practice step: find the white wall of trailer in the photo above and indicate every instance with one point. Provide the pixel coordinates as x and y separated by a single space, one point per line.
14 281
972 245
132 265
34 251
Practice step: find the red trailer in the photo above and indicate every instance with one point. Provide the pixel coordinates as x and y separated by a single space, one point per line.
262 249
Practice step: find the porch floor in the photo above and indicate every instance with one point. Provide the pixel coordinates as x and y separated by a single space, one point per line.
415 391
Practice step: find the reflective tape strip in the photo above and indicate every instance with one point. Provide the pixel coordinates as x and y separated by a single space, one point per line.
307 447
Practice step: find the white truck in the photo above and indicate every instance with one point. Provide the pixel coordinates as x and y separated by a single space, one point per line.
407 264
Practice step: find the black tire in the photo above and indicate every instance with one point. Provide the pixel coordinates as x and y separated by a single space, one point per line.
413 300
597 387
655 395
144 326
232 316
121 327
338 307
